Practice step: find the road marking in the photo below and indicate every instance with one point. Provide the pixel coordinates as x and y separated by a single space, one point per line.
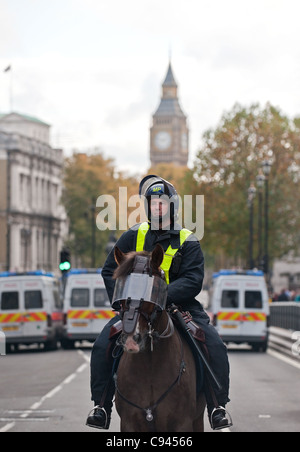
69 379
29 411
283 358
18 419
84 356
7 427
33 409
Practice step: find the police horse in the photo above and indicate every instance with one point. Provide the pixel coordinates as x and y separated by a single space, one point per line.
156 380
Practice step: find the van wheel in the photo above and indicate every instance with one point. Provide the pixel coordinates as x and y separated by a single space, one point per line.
260 347
256 347
51 346
67 344
264 347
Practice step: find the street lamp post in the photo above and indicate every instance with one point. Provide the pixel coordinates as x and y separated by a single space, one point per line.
260 179
266 167
93 233
251 196
111 243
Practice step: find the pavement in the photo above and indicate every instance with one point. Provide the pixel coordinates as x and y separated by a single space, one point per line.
49 392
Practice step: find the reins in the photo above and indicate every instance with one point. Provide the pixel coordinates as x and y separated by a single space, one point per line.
149 410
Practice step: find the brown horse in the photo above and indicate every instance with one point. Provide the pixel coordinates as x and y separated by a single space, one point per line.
156 380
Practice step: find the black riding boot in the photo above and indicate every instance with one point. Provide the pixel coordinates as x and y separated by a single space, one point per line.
219 418
99 418
102 385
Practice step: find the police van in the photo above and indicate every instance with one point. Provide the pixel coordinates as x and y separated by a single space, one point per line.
87 308
240 307
30 309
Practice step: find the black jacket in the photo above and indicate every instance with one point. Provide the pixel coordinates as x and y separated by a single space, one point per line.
186 273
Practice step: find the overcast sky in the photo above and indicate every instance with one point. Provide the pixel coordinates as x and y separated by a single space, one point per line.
93 69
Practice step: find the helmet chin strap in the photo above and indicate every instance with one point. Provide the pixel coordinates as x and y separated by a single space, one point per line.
164 223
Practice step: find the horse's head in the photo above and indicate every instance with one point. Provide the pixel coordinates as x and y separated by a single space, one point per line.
140 294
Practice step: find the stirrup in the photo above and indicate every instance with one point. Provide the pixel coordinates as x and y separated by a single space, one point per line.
229 418
106 416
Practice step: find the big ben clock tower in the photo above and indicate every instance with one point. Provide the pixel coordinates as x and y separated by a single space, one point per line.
169 134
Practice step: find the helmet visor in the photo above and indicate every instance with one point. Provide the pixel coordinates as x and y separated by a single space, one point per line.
147 182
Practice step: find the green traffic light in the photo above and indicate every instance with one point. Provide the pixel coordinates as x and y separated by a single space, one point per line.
65 266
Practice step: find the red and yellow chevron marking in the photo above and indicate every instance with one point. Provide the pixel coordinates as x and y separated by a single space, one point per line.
34 317
254 317
103 315
242 316
229 316
23 317
11 318
81 314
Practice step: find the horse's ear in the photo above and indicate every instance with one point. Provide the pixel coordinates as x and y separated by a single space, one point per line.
119 256
157 256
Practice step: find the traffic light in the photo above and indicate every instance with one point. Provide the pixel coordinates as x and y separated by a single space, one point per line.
65 260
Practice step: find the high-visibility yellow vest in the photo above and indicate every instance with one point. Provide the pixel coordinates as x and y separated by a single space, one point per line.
169 254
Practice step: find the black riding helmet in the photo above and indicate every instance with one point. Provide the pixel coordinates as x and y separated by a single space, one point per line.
157 186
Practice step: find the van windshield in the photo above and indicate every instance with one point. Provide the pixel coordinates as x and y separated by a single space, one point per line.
230 299
9 301
80 298
101 298
253 300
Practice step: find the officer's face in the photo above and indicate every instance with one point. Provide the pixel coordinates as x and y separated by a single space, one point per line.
159 208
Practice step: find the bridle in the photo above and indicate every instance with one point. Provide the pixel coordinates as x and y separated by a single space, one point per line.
149 410
131 316
139 289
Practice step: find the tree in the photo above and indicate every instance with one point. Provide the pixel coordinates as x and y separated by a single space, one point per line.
228 163
86 178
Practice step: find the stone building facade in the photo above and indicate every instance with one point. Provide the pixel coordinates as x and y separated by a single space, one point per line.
33 222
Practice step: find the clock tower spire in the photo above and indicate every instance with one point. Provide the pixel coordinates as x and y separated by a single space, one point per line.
169 134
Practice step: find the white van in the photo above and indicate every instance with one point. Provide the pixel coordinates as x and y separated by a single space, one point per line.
30 309
240 307
87 308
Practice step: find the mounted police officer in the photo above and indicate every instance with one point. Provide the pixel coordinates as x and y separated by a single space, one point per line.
184 270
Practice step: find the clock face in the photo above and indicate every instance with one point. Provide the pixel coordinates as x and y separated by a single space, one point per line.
163 140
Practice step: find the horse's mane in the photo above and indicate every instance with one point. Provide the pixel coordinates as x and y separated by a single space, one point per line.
126 266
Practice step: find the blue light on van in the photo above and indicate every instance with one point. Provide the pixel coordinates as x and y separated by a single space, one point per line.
255 273
31 273
7 274
238 273
84 271
39 273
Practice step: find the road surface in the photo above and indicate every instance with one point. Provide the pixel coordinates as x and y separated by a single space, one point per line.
49 392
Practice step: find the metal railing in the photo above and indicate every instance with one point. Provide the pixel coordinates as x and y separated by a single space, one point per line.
284 330
285 315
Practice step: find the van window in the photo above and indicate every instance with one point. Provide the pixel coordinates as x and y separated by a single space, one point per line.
253 300
80 298
101 298
33 299
9 301
230 299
